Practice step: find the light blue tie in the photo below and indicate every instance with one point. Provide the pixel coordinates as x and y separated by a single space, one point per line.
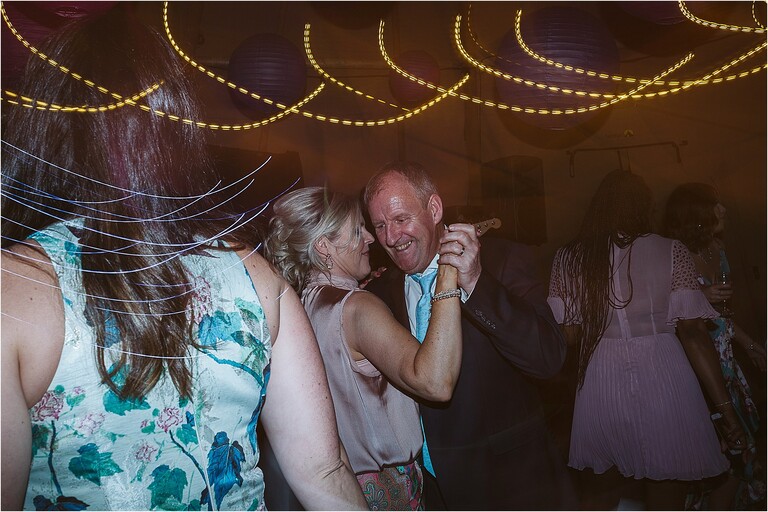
423 310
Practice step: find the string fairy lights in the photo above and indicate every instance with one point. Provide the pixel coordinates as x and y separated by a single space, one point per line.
614 98
714 76
598 74
14 192
42 105
16 99
90 83
687 83
334 80
632 95
712 24
305 113
512 78
68 249
754 15
420 81
239 219
285 109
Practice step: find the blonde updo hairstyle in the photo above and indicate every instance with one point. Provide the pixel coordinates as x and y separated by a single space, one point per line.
300 219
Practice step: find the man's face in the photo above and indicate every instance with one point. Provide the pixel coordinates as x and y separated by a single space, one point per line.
404 227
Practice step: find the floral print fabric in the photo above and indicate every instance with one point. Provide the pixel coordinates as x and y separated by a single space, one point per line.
393 488
92 450
745 466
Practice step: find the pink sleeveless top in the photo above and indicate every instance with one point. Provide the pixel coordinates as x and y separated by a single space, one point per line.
378 424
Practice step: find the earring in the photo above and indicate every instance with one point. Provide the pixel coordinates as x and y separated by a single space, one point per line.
328 261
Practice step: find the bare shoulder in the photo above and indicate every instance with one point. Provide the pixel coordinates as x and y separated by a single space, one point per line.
26 260
366 318
269 286
363 302
266 280
29 280
366 314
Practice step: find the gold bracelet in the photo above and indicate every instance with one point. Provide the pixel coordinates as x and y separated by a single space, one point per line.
446 294
727 402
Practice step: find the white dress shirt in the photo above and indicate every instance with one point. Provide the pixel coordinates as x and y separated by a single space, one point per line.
413 293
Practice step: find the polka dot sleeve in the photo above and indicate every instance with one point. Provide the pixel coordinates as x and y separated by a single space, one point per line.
687 300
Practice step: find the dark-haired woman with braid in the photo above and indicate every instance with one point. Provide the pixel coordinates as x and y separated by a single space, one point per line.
621 293
140 328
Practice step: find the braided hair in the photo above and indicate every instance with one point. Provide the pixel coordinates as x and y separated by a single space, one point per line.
618 214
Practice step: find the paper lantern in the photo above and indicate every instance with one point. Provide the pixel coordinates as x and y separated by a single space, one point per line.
35 21
270 66
661 13
652 28
563 34
420 64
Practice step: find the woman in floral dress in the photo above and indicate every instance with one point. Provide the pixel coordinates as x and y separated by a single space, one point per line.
140 329
695 216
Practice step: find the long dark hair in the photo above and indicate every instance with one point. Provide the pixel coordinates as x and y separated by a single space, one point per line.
690 215
108 168
618 214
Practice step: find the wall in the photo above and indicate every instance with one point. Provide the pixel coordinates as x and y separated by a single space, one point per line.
720 129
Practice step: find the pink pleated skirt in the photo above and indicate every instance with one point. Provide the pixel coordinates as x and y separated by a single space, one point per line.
642 410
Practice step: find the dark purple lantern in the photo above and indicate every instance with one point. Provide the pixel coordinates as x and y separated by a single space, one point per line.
420 64
660 28
661 13
563 34
270 66
35 21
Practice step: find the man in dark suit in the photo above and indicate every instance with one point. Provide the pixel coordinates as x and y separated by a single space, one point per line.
489 446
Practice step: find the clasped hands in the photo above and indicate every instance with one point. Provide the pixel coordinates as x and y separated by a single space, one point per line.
460 248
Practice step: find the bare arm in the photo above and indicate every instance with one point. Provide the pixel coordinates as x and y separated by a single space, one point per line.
298 413
16 429
32 338
429 370
706 364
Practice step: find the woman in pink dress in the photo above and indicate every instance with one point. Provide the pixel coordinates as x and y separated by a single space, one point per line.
375 368
630 301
